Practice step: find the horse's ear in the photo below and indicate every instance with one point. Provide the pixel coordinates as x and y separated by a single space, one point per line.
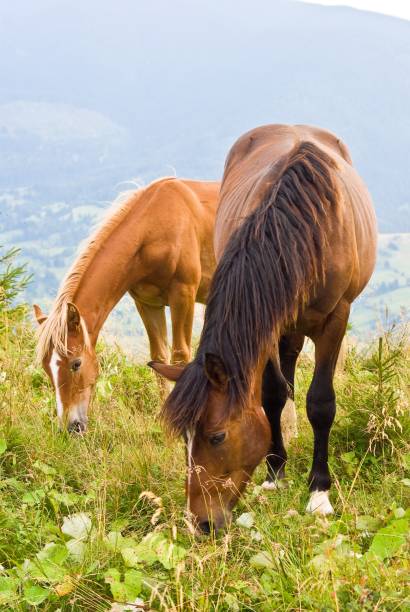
170 372
39 314
216 371
73 317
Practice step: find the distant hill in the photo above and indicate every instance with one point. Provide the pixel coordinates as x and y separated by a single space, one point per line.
93 93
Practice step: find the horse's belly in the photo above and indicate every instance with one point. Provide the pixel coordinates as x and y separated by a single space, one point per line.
150 294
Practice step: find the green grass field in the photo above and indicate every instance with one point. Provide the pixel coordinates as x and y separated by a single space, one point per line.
94 522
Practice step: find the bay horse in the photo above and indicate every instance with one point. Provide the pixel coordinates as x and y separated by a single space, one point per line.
295 241
157 246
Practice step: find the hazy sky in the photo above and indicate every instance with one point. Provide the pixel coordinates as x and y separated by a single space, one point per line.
398 8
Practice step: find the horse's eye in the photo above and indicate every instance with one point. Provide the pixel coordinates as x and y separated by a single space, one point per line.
217 438
75 365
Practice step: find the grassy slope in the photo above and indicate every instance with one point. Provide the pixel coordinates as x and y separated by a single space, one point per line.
308 564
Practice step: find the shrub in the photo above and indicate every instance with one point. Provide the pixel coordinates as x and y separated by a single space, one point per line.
13 280
373 394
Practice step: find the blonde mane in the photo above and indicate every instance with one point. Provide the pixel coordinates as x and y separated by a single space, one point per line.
53 333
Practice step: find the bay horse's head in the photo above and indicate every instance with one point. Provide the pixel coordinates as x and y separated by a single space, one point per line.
66 353
224 442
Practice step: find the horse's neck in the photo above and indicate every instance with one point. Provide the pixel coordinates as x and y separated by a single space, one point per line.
102 285
97 299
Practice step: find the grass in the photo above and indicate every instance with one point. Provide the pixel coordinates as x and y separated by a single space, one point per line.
85 522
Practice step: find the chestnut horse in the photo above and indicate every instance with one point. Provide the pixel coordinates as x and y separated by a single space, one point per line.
157 246
295 241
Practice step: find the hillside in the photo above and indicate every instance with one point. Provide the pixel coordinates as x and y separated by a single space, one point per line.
86 521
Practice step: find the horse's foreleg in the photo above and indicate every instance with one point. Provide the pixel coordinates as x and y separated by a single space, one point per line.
154 321
182 304
274 396
289 350
278 402
321 405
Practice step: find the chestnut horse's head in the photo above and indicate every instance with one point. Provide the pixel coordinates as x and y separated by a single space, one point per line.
224 442
69 359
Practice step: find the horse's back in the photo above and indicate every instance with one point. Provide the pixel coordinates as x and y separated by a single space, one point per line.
255 162
250 168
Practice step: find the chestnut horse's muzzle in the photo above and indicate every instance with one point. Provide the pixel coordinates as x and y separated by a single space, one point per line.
77 427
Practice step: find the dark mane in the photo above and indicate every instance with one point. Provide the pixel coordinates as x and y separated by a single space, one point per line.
267 272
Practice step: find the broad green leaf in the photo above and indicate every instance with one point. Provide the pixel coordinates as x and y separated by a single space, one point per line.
78 526
170 554
389 540
126 590
367 523
153 539
35 594
349 457
133 557
33 497
47 565
115 541
133 581
67 499
76 549
119 592
45 571
57 553
112 575
8 589
261 560
246 520
3 446
145 551
154 547
46 469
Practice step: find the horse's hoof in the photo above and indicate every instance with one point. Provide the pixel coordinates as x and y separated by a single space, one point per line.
272 485
319 503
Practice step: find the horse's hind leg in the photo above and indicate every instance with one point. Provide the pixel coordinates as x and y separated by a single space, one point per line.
277 393
321 405
154 321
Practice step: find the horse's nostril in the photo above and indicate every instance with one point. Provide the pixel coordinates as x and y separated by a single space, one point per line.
206 527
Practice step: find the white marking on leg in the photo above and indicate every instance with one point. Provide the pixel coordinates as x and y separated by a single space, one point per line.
54 367
270 485
319 503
